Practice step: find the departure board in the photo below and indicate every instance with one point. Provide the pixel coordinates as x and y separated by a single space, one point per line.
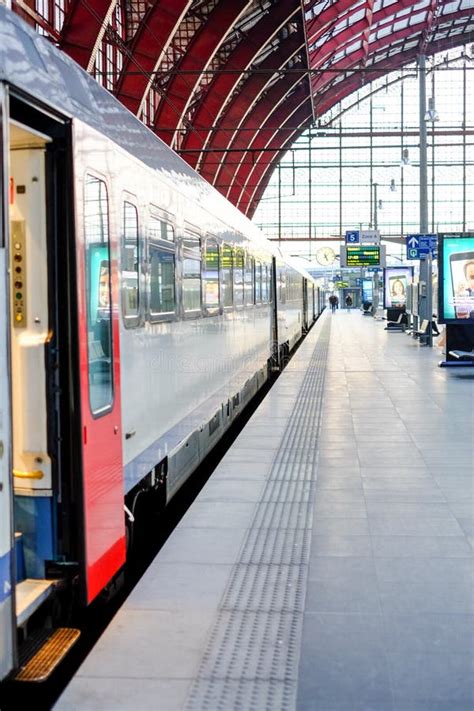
363 256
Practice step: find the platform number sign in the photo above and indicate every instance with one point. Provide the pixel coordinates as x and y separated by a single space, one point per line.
352 237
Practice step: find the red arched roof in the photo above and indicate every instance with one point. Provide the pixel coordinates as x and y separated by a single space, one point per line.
231 83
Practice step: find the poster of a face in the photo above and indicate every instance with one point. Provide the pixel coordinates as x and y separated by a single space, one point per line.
457 285
396 281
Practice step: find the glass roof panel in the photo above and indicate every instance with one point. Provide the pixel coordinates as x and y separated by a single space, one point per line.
416 19
400 25
357 16
383 32
353 47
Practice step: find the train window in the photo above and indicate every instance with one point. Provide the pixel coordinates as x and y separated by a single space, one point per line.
159 229
211 275
248 281
238 277
162 281
192 274
258 282
162 267
265 283
130 264
98 294
226 267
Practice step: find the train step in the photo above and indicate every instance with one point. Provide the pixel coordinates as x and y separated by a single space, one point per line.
43 653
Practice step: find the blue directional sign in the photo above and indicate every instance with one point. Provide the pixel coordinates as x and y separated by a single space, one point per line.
418 246
352 237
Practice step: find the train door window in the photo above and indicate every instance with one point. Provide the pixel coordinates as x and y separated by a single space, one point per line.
226 268
258 282
248 281
98 294
238 277
161 269
130 265
211 276
191 273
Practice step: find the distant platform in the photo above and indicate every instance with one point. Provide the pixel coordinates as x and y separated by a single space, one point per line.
327 564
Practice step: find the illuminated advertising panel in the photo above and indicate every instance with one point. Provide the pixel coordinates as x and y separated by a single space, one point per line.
456 279
396 283
367 289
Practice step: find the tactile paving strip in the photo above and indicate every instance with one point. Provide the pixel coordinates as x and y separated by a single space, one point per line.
252 654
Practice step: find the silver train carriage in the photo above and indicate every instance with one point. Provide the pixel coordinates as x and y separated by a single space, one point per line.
139 313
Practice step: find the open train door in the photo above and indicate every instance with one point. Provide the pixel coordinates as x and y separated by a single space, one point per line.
98 292
7 607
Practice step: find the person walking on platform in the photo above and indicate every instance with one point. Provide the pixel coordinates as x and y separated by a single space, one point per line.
333 302
348 303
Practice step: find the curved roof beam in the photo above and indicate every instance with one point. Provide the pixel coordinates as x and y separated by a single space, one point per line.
238 108
298 119
153 37
274 97
350 61
199 54
83 29
333 95
276 126
317 26
219 90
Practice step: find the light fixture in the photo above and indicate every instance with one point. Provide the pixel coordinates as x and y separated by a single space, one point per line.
405 157
393 187
380 204
431 114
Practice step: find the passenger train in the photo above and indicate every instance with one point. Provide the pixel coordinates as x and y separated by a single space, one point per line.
139 313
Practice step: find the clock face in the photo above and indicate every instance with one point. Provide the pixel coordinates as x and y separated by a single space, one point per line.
325 256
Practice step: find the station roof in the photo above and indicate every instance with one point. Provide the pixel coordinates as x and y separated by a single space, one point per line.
231 84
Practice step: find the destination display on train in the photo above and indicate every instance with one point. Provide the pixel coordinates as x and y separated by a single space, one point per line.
363 255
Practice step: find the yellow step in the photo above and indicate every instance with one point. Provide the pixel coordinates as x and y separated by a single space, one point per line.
42 664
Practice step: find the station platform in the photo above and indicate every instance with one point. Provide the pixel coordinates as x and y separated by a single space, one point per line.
327 564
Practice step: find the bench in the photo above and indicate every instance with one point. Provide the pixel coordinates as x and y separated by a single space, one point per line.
463 355
423 332
399 325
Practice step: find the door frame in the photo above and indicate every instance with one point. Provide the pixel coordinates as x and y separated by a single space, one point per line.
8 646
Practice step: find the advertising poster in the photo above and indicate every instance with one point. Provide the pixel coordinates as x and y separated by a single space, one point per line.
456 282
396 283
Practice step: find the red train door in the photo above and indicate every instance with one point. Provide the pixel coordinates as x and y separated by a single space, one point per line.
103 493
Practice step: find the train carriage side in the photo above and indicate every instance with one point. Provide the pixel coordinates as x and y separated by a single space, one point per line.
196 327
168 317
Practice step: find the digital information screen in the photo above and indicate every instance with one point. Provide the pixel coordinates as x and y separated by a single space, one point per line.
396 282
456 279
368 255
367 289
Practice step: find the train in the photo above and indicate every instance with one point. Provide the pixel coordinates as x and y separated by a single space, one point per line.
139 313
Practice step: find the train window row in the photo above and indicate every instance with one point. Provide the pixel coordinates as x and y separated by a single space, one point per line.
212 274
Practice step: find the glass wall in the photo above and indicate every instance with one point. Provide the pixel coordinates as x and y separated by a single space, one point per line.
359 165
